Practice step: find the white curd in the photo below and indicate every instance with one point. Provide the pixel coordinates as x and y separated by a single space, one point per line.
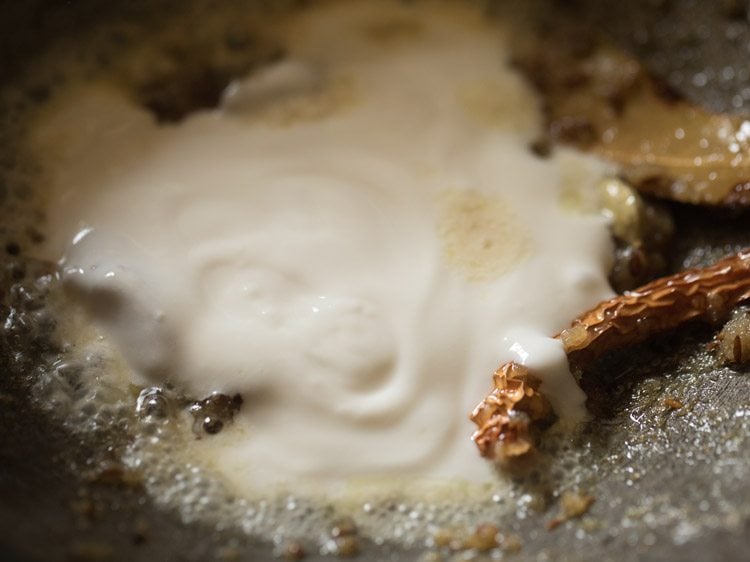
354 240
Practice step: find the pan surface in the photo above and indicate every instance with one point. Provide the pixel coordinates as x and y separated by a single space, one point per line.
666 485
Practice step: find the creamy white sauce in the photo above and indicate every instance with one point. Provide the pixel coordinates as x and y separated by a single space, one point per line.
353 241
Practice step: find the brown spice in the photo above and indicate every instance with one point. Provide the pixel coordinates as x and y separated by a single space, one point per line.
605 101
673 404
343 528
511 543
572 505
294 550
483 538
506 418
443 537
347 546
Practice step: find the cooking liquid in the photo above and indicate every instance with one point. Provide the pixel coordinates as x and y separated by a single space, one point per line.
353 240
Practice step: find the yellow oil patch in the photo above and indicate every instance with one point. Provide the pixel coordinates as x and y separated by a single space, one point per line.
482 238
499 104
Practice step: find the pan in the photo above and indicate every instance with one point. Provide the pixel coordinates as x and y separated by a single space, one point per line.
666 482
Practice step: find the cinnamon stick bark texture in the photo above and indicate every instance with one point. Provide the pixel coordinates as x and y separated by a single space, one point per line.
506 418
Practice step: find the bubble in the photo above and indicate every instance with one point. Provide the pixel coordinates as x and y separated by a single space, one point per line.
152 403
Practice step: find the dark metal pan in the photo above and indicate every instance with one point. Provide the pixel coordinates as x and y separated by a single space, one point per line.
666 486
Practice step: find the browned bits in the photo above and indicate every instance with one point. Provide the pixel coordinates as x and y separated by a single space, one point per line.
484 538
601 99
211 414
541 147
572 505
734 339
344 534
673 404
293 550
347 547
344 527
443 537
510 543
506 417
575 504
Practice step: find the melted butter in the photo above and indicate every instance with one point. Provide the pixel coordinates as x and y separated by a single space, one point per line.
481 236
353 241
